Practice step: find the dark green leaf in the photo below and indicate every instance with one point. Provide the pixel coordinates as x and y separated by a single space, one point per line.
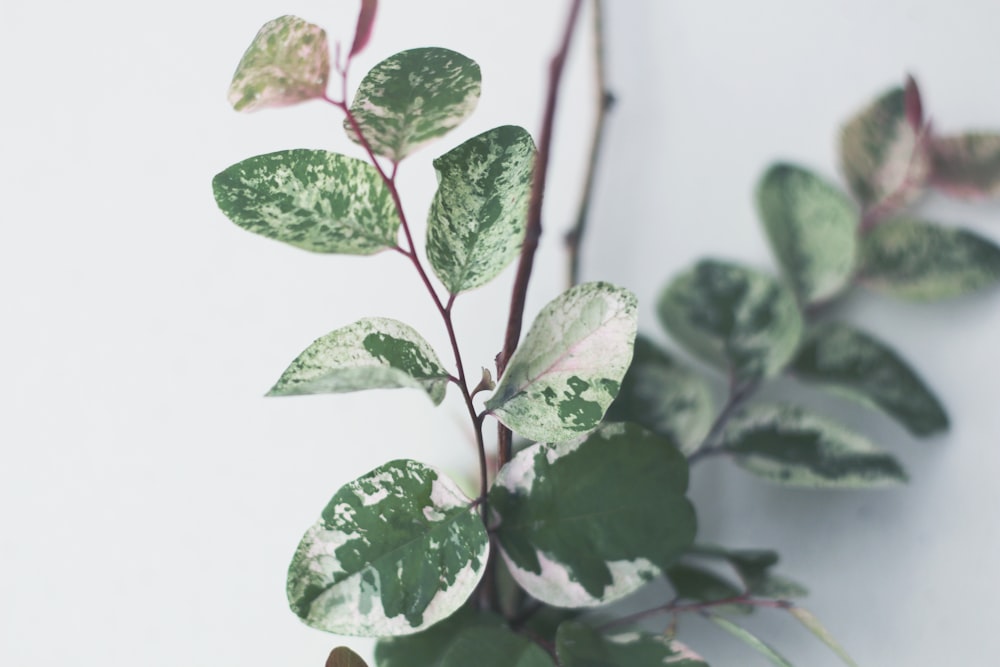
494 647
856 364
580 646
344 657
750 639
316 200
814 626
394 552
576 524
754 569
427 648
700 585
967 165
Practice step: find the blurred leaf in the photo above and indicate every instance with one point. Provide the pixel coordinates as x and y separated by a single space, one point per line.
580 646
967 165
344 657
754 569
814 626
750 640
494 647
428 647
701 585
363 30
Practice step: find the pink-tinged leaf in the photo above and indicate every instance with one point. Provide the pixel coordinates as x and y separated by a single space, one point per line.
913 104
967 165
366 21
288 62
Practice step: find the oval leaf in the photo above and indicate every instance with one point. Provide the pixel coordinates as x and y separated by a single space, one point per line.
413 97
812 227
344 657
493 647
750 640
477 218
734 317
856 364
790 446
967 166
287 62
567 370
576 524
428 647
580 646
917 260
373 353
394 552
311 199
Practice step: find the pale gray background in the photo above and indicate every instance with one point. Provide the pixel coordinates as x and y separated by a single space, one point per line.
150 498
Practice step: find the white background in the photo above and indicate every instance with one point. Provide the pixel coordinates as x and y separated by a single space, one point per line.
150 498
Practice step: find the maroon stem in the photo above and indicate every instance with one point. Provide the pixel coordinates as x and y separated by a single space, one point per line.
675 607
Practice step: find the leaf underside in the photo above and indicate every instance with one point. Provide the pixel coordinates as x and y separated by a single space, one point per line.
344 657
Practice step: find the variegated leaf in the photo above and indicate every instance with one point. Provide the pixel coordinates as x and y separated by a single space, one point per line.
493 647
854 363
344 657
787 445
567 370
311 199
412 98
575 522
967 165
812 227
664 396
287 62
372 353
428 647
394 552
477 218
913 259
750 640
580 646
733 317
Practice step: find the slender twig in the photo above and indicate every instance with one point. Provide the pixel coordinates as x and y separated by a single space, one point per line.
675 607
737 396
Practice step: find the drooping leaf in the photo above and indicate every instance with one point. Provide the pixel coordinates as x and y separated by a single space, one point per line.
702 585
856 364
477 218
750 640
373 353
577 524
664 396
788 445
311 199
287 62
812 227
428 647
917 260
567 370
580 646
344 657
413 97
733 317
363 30
812 623
494 647
885 155
394 552
754 569
967 165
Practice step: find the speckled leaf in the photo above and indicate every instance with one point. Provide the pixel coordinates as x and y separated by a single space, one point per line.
787 445
311 199
886 155
394 552
733 317
917 260
344 657
812 227
580 646
701 585
567 370
750 640
477 218
577 526
412 98
427 647
287 62
664 396
968 165
812 623
852 362
494 647
373 353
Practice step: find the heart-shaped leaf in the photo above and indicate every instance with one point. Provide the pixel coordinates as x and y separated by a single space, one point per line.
428 647
967 165
580 646
494 647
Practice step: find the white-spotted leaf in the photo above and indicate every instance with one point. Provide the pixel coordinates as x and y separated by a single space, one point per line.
812 228
311 199
372 353
576 527
394 552
750 640
567 370
476 223
967 165
493 647
412 98
287 62
580 646
428 647
790 446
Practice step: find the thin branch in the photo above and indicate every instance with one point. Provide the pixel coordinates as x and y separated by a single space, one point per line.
675 607
737 396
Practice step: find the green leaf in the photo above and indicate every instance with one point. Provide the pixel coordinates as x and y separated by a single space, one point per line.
494 647
967 165
478 215
856 364
412 98
753 567
580 646
812 227
733 317
567 370
394 552
664 396
751 640
287 62
372 353
814 626
344 657
787 445
311 199
917 260
701 585
885 154
577 527
428 647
